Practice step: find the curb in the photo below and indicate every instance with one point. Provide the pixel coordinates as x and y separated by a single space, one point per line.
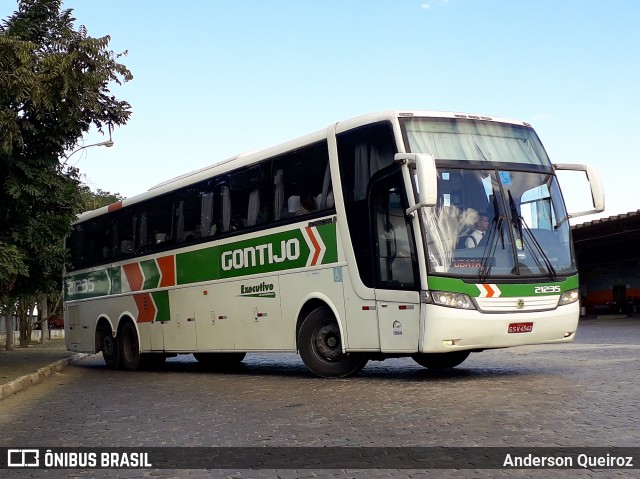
24 382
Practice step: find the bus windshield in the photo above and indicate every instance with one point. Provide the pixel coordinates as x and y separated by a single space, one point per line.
498 223
493 219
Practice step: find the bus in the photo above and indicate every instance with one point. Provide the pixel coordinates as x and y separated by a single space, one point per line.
417 234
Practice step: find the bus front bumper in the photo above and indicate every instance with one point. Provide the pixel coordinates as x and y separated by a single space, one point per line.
450 329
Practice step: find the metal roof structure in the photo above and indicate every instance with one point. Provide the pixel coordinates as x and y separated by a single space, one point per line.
615 238
603 221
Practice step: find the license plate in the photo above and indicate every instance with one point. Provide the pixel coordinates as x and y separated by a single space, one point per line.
520 328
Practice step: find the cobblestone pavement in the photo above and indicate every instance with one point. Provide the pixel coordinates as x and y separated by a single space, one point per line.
584 394
22 367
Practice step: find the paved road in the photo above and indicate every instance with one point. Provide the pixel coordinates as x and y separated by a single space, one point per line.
584 394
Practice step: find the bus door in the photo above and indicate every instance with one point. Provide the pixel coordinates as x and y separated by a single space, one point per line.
396 275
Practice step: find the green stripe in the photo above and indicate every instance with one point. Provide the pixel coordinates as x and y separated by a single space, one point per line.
161 300
115 274
507 290
87 285
151 274
195 266
328 234
264 254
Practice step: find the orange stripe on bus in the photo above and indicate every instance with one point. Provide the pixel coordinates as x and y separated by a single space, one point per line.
114 206
168 270
313 239
146 308
134 276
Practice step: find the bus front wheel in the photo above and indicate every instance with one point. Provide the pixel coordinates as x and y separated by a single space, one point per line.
129 349
320 346
441 360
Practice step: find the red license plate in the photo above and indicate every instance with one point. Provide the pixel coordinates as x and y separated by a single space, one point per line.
520 328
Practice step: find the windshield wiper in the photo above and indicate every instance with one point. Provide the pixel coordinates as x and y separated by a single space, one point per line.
518 222
492 241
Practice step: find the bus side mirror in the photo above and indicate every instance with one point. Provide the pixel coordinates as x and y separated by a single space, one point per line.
423 167
595 183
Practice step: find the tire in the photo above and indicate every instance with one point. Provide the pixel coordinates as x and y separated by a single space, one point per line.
441 360
219 359
129 349
320 347
110 349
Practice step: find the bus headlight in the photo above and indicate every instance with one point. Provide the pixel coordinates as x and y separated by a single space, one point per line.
569 297
452 300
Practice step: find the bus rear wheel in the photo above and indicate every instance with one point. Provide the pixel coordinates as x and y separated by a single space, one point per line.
110 348
129 348
320 346
441 360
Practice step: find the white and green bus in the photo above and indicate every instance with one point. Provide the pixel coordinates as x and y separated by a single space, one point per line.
422 234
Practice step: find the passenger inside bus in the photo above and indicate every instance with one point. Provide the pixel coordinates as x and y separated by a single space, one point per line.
307 205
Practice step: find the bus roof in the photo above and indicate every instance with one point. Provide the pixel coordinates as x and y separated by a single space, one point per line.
254 156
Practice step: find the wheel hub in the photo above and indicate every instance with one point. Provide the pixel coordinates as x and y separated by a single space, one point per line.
107 346
328 342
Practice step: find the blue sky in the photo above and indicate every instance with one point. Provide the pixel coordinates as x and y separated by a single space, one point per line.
214 78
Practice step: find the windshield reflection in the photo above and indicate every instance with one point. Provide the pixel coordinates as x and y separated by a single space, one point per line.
497 223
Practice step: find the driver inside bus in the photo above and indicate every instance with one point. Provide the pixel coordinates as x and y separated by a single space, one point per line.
480 228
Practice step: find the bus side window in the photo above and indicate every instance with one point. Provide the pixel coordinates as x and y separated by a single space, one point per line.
244 198
278 194
395 259
302 182
195 214
124 225
361 153
155 224
208 218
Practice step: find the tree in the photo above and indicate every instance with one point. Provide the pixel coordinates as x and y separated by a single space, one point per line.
54 86
49 304
92 200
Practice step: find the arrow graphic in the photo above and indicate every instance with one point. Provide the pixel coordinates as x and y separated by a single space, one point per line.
315 244
489 290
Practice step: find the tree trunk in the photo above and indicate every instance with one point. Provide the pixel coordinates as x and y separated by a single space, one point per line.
25 306
8 322
43 314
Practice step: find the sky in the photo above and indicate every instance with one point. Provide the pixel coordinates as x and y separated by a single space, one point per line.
215 78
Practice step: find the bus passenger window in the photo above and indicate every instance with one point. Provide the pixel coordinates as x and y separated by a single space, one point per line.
244 198
196 216
303 178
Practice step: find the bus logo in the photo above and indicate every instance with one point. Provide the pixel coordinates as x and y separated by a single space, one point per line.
262 290
261 255
23 457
